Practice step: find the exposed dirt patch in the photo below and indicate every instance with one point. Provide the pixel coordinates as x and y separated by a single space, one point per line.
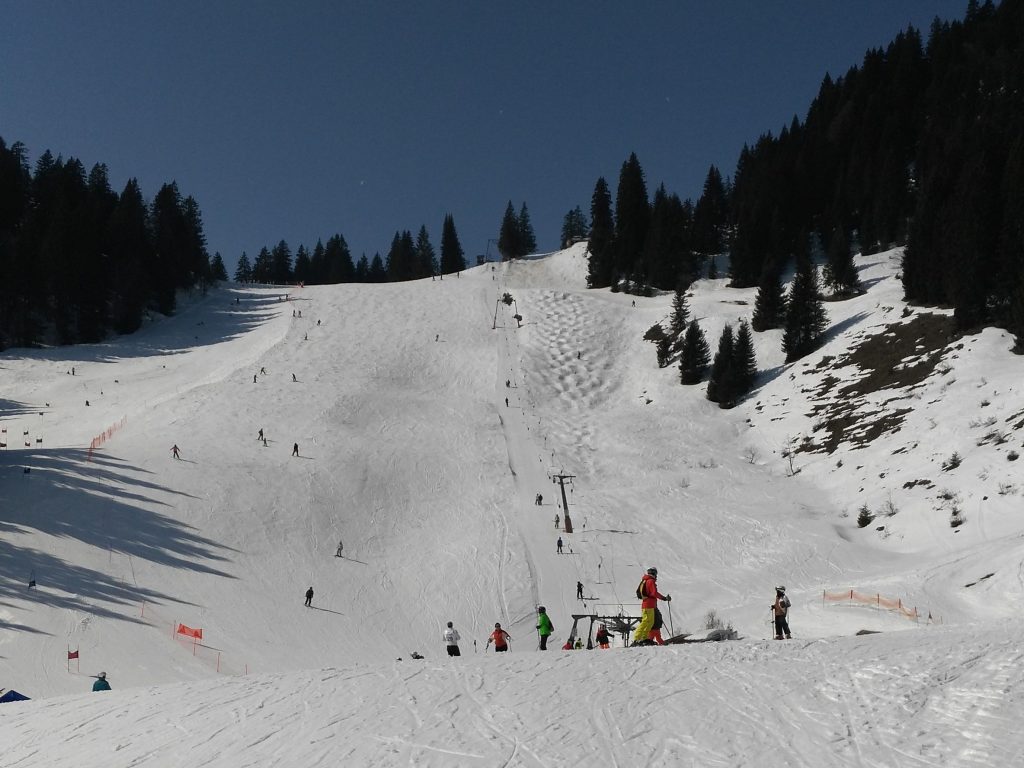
901 357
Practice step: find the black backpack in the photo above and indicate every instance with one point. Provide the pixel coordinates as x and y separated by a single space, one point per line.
640 590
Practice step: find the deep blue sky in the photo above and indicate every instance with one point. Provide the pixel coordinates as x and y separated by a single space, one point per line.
299 120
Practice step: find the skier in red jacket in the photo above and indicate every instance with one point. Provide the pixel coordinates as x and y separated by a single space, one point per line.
649 595
500 639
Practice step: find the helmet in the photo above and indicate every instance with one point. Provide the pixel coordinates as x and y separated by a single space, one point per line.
780 589
540 609
102 675
497 625
449 623
653 572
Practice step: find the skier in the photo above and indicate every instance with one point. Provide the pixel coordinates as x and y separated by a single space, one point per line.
579 590
659 622
451 640
174 451
340 548
602 636
540 499
648 592
559 545
263 371
506 402
557 521
293 377
254 378
101 683
544 627
500 639
309 597
260 435
295 449
579 644
318 322
780 609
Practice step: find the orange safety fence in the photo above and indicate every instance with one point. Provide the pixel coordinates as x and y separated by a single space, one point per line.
108 433
876 601
192 636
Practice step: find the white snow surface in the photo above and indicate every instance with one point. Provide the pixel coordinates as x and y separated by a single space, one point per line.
410 456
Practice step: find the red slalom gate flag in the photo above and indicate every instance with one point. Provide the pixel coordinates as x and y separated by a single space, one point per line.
196 633
72 655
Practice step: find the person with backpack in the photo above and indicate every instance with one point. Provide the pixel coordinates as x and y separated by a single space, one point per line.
451 640
648 593
780 609
544 627
500 639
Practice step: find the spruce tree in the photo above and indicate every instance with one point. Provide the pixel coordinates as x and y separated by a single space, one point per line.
217 269
574 227
130 249
337 261
600 248
770 303
840 273
806 320
527 240
680 314
263 267
362 271
453 258
693 360
281 264
509 245
377 273
425 256
632 219
744 362
301 272
710 216
243 272
722 381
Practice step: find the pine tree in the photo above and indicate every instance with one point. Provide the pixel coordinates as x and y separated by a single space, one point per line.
281 264
770 303
453 258
600 248
217 269
337 261
744 362
574 227
680 314
711 215
243 272
664 350
263 267
509 245
301 273
401 258
318 264
693 360
806 320
840 273
362 270
425 256
376 273
722 381
527 240
632 219
130 248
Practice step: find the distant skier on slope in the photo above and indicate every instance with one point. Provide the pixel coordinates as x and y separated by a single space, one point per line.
500 639
340 549
260 435
309 597
451 640
780 609
559 545
579 590
175 452
602 636
544 627
649 595
295 449
101 683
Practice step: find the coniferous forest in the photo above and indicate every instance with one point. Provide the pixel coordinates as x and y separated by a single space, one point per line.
922 145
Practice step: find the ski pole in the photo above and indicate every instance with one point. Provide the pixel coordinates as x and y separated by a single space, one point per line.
670 627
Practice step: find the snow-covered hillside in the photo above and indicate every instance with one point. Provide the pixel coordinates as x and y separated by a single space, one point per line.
408 453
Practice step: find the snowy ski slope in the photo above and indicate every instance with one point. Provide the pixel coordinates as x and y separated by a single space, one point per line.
409 454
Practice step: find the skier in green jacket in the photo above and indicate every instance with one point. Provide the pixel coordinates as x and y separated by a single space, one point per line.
544 627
